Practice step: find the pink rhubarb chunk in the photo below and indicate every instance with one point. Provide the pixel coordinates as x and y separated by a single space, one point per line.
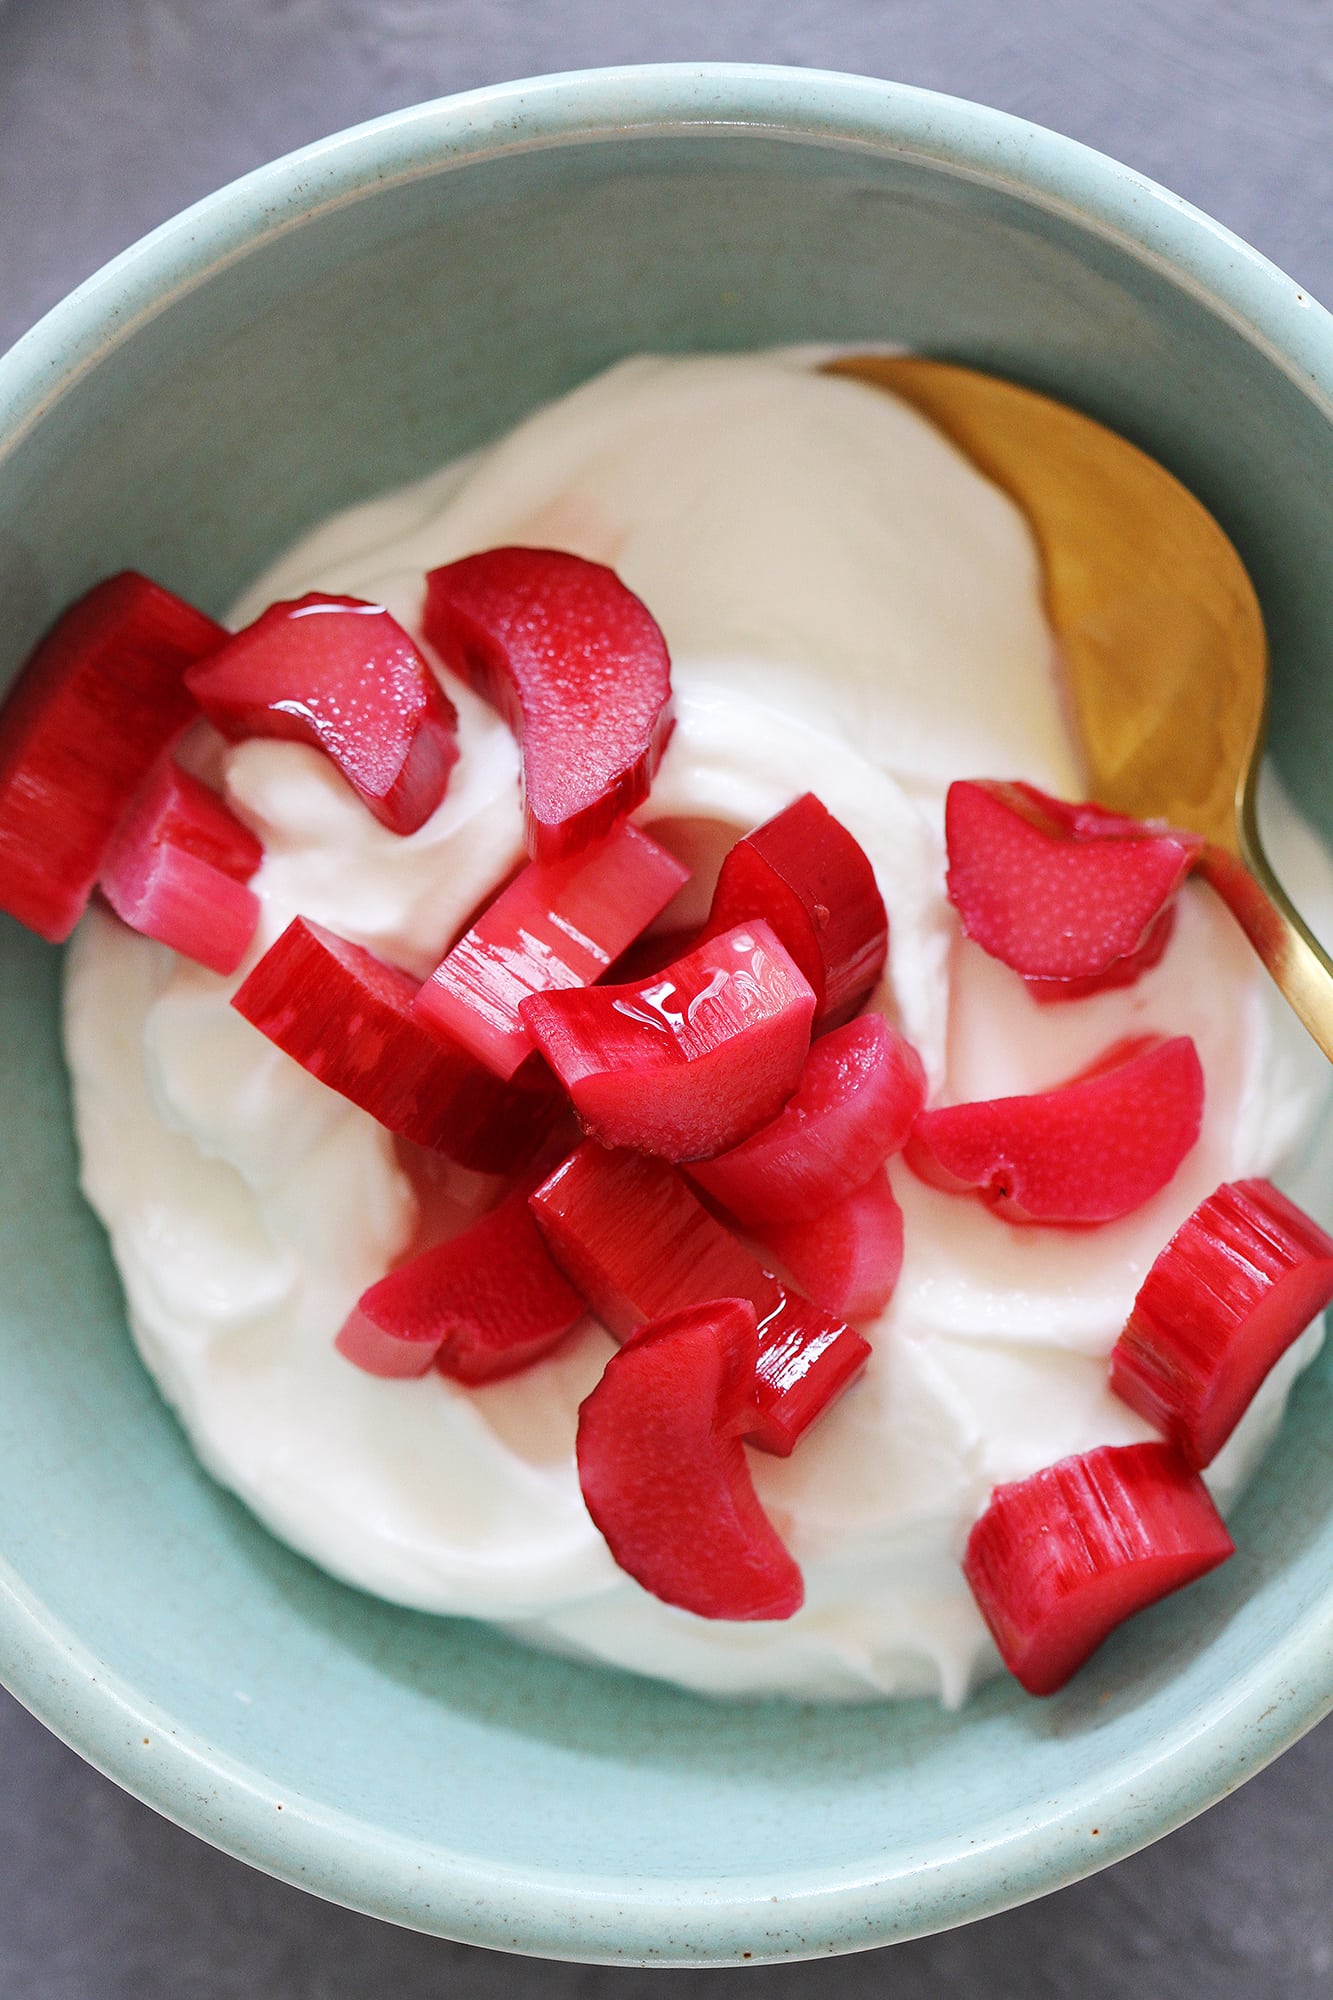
176 870
859 1094
346 1016
690 1061
579 669
1239 1281
847 1259
1087 1151
97 702
1073 897
803 873
485 1304
1058 1560
557 925
627 1231
664 1474
343 675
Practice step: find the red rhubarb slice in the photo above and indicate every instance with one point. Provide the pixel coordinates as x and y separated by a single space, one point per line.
848 1259
1058 1560
485 1304
346 1016
580 671
1057 891
176 869
690 1061
343 675
663 1469
1239 1281
81 727
859 1094
557 925
803 873
627 1231
1087 1151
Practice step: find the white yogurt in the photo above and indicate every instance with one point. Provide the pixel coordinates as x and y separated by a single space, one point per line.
851 610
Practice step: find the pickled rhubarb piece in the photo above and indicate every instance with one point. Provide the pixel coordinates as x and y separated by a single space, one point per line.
485 1304
557 925
580 671
1239 1281
847 1259
173 809
1087 1151
690 1061
664 1474
803 873
1123 972
1057 891
99 699
343 675
634 1240
859 1094
1058 1560
167 893
346 1016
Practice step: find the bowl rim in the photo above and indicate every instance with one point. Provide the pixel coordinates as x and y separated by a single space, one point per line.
549 1912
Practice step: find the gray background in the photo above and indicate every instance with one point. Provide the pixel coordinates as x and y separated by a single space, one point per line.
116 113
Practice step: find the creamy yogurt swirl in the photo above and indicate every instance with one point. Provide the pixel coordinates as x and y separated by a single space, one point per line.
852 610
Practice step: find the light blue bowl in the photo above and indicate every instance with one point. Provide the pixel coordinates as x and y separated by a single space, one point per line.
346 319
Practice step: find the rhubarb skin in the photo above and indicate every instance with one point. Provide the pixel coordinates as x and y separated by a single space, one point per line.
860 1092
1061 892
1088 1151
849 1258
346 1016
95 705
488 1303
1239 1281
689 1062
557 925
664 1473
579 669
176 869
1058 1560
344 676
637 1243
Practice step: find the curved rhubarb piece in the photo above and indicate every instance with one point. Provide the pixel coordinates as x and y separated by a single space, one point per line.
100 698
860 1093
1239 1281
487 1303
627 1231
1059 891
690 1061
346 1016
804 874
578 667
176 869
663 1468
344 676
1087 1151
1058 1560
557 925
848 1259
1122 972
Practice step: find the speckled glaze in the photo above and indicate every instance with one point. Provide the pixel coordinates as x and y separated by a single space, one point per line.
348 318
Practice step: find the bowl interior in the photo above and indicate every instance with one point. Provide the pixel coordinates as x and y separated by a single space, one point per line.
353 328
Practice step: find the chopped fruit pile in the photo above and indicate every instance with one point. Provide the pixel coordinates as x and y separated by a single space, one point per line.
729 1214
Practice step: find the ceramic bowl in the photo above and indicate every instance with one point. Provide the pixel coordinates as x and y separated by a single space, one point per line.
346 319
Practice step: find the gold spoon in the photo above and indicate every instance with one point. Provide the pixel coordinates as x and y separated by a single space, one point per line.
1161 638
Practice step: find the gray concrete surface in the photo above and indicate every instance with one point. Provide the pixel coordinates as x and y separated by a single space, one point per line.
113 115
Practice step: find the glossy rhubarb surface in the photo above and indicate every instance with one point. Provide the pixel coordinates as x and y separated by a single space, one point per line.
344 676
557 925
100 698
860 1092
664 1473
580 670
848 1258
1087 1151
637 1243
1239 1281
689 1061
1058 1560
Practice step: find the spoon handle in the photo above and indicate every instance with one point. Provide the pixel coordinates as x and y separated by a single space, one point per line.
1301 968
